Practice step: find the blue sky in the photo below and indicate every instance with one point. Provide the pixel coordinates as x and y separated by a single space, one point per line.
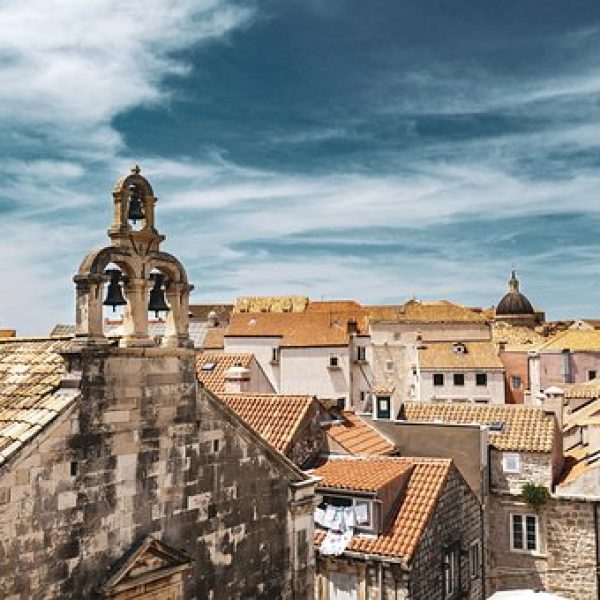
340 149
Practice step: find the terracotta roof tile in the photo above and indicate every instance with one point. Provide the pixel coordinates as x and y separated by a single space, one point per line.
589 389
276 418
586 415
360 475
358 437
415 509
212 366
526 428
576 340
443 355
415 311
517 338
298 329
30 374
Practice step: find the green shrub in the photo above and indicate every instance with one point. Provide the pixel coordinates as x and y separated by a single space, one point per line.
535 495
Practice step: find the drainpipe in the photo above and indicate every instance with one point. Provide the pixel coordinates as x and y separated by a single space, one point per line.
483 550
380 579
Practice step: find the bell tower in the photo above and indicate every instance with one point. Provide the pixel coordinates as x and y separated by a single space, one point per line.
145 278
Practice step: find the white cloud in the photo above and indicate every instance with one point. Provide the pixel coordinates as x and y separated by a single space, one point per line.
69 66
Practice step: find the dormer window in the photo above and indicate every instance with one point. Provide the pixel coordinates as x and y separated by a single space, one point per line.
460 348
361 354
357 513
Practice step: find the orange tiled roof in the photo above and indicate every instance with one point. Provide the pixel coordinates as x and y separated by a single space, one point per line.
303 329
526 428
415 311
589 389
214 379
576 340
443 355
418 502
30 374
276 418
358 437
516 338
360 475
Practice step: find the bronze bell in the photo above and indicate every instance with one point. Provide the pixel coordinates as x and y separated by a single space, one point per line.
114 293
158 302
135 212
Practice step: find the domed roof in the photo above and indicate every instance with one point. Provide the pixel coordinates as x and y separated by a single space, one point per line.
514 303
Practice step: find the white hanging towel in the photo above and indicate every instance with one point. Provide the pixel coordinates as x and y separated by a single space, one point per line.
349 517
329 516
320 517
362 514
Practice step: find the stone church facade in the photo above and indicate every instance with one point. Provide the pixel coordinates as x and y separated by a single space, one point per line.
133 482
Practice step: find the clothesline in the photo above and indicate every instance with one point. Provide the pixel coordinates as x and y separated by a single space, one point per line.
340 522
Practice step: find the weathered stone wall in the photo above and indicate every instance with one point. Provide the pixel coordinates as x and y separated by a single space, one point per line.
457 518
566 561
536 467
142 454
311 441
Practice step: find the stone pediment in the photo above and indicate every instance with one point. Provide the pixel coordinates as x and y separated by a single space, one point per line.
147 562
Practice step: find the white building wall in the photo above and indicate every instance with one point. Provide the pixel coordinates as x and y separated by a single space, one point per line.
406 333
306 371
262 348
493 392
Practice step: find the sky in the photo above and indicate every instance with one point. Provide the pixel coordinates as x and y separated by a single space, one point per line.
377 150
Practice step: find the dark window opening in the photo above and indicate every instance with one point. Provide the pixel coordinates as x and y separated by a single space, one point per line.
481 379
459 379
438 379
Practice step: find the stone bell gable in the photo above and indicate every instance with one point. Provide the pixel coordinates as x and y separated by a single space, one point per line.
106 444
136 252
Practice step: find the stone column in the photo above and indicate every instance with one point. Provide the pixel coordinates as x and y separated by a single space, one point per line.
135 317
88 320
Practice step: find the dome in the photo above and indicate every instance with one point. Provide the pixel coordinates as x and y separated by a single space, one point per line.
514 303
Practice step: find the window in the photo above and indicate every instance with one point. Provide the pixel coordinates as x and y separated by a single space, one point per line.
275 353
342 586
524 533
208 366
481 379
361 354
397 336
515 382
592 375
389 366
451 568
474 560
459 379
383 407
511 462
334 362
438 379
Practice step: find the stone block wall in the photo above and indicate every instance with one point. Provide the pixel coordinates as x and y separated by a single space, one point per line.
457 518
566 561
143 453
537 467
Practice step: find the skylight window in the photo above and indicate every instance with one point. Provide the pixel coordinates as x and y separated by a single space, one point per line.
208 366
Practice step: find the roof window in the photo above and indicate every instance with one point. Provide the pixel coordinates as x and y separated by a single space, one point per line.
208 366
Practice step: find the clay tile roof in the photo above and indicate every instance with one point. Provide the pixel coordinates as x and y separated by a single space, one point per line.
525 428
589 389
30 374
415 311
444 355
576 340
586 415
516 338
298 329
358 437
360 475
276 418
415 509
214 339
212 366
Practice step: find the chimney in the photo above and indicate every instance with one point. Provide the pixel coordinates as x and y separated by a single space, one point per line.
352 326
237 379
554 403
8 333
